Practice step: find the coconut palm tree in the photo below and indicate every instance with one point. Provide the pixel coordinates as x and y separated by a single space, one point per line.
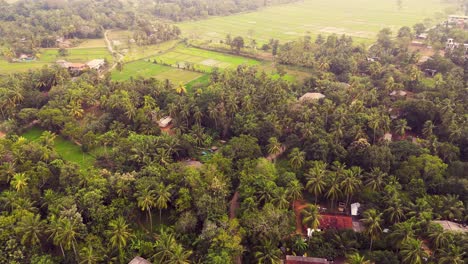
274 147
395 211
438 237
48 138
376 179
412 252
64 232
310 216
452 255
428 129
89 256
299 246
179 255
372 223
119 232
146 200
296 158
163 197
7 170
294 191
401 127
164 245
268 253
402 232
180 89
31 228
351 183
19 182
334 190
280 199
355 258
453 207
316 179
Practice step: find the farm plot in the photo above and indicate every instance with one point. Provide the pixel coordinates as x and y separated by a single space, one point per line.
182 57
146 69
361 19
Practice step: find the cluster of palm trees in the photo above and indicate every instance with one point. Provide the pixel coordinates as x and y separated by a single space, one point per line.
159 198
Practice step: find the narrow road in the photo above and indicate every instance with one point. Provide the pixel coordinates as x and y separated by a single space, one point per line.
118 57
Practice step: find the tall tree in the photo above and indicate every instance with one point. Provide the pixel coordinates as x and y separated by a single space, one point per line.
163 197
316 179
119 233
311 216
268 253
372 221
146 200
20 182
412 252
296 158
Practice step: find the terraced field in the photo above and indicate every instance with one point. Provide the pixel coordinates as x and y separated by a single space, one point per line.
361 19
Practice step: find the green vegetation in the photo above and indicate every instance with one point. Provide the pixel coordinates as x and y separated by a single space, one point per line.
146 69
69 151
180 59
361 19
204 60
50 56
184 155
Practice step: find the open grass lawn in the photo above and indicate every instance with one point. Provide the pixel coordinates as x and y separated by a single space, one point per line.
148 69
92 43
202 59
66 149
361 19
50 56
136 52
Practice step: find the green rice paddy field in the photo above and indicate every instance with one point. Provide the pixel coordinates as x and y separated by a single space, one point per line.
202 59
143 68
66 149
181 55
361 19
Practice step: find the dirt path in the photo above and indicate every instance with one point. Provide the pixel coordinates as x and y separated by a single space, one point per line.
2 134
298 206
117 55
233 205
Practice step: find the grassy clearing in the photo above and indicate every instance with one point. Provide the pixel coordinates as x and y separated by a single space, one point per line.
92 43
361 19
142 68
139 68
139 52
199 82
202 59
50 56
66 149
120 41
